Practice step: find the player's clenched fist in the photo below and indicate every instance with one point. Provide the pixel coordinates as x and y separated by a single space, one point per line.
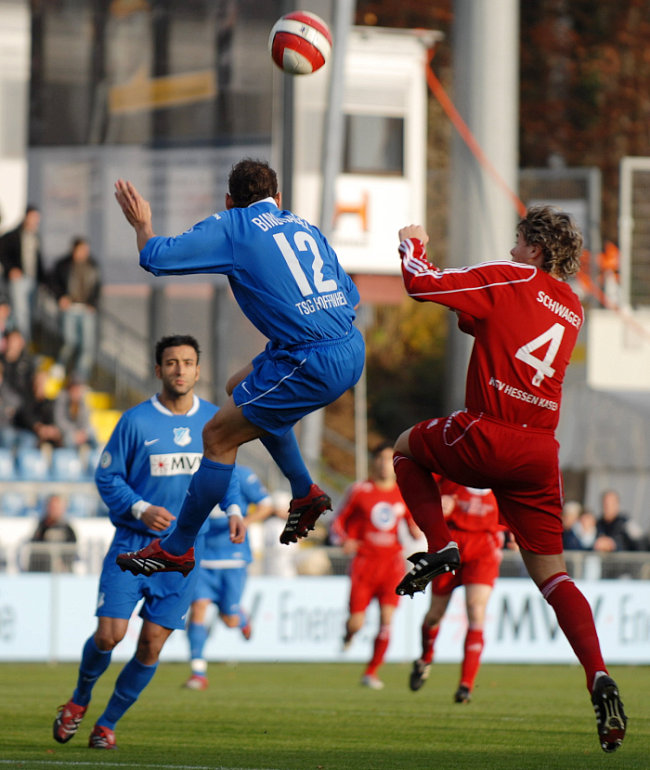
414 231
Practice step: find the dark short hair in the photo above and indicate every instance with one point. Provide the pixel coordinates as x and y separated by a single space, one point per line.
381 447
77 241
173 341
251 181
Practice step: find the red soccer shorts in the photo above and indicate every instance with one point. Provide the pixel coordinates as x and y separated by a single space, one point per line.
480 558
375 578
520 465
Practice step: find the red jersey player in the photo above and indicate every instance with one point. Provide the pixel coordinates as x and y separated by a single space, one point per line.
367 526
525 321
473 517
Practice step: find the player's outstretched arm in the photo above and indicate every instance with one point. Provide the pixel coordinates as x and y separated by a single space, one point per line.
136 209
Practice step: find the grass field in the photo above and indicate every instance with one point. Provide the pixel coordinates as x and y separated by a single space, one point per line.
317 717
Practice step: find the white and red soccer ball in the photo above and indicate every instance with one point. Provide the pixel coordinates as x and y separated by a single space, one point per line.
300 43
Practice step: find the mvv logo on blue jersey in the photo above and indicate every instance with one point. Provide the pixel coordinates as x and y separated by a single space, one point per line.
174 463
182 436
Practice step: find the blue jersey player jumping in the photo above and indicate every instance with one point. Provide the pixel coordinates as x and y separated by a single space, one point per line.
143 475
223 569
288 282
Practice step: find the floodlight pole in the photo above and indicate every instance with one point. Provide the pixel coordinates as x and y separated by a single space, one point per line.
343 17
482 217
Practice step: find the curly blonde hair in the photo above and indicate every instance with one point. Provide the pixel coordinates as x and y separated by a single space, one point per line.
557 234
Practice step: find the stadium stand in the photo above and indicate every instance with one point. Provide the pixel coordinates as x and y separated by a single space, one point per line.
32 464
13 504
67 465
7 465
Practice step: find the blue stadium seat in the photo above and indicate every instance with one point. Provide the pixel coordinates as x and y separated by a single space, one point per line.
32 465
93 461
66 465
7 466
13 504
82 504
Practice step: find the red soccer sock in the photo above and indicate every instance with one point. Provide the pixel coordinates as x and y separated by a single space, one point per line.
379 650
576 621
422 498
472 656
429 636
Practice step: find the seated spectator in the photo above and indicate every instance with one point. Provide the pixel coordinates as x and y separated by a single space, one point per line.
20 256
570 513
76 283
615 530
10 402
584 530
54 530
72 416
19 363
6 321
35 417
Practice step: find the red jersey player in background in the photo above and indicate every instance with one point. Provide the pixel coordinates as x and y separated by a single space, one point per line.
473 517
366 525
525 320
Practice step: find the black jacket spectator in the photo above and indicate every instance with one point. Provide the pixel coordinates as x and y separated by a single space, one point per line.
11 253
53 530
19 363
615 530
37 414
79 279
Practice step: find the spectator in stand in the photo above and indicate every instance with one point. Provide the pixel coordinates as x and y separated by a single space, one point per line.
570 512
10 402
583 532
367 526
76 283
6 321
615 530
54 530
72 416
35 417
20 255
19 363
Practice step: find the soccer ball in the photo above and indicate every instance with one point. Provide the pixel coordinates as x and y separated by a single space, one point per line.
300 43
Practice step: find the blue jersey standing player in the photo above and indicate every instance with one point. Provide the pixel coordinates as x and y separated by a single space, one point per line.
288 282
222 573
143 475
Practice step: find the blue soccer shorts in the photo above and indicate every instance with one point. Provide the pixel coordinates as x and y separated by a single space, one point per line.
167 595
223 587
288 383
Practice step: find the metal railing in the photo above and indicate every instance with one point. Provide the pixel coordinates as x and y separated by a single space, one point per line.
581 565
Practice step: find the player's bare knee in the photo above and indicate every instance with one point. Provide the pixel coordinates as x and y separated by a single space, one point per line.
148 650
432 619
476 614
211 435
402 443
107 640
